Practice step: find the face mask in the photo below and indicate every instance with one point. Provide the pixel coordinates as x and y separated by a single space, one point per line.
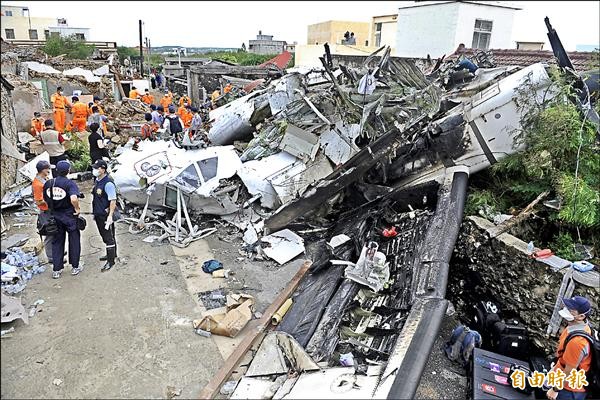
566 314
96 172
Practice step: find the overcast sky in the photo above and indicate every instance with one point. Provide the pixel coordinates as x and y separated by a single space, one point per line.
229 23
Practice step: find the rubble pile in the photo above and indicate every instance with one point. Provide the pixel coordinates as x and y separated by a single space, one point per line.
17 268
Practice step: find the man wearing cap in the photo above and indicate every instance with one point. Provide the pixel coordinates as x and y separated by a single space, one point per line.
62 196
104 204
37 186
52 141
577 354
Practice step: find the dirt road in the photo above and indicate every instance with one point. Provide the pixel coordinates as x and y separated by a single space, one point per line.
126 332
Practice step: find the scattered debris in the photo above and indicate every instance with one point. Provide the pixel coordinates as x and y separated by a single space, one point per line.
57 382
172 391
230 322
13 309
213 298
284 246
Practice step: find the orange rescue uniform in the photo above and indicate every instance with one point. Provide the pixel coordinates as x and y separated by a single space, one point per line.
80 112
59 102
165 102
148 99
133 94
186 116
227 89
184 99
577 353
37 126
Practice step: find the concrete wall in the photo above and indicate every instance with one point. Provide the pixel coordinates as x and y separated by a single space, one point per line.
333 32
266 46
21 26
8 165
429 29
25 103
501 17
308 55
438 29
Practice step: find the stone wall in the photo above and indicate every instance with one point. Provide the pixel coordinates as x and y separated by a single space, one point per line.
8 165
499 271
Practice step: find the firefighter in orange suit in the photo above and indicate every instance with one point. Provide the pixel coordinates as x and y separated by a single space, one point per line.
80 113
59 103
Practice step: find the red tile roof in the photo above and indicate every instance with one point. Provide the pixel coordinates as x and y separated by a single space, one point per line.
502 57
281 60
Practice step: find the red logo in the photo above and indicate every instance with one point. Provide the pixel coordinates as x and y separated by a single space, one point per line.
488 388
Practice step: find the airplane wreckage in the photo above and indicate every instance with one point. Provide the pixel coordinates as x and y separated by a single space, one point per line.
348 164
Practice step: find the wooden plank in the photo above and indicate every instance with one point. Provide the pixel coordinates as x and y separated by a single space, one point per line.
212 387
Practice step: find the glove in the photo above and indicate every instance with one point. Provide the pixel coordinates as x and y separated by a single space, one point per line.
109 222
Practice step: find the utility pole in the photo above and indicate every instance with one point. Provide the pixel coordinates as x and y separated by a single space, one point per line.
141 51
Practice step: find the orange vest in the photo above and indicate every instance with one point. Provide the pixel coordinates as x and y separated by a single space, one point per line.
148 99
165 101
184 99
37 124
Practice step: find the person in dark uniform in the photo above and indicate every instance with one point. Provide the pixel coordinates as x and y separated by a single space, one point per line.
62 196
97 146
104 206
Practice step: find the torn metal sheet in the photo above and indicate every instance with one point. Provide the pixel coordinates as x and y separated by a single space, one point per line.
29 170
41 68
9 149
300 143
255 176
370 270
278 353
284 246
338 144
257 388
283 92
338 240
333 383
13 309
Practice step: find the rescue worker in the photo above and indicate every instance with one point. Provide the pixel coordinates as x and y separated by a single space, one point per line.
157 115
577 353
173 123
227 88
184 99
37 124
166 100
104 205
149 128
53 143
80 113
37 187
185 115
147 97
59 102
98 104
133 93
62 196
97 143
89 107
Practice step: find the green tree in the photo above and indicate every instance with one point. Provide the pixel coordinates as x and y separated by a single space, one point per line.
125 52
72 47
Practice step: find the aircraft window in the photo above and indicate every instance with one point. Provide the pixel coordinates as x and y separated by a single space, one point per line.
208 168
190 177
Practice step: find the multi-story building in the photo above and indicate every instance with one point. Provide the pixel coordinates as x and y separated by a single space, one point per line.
438 27
333 32
264 44
18 24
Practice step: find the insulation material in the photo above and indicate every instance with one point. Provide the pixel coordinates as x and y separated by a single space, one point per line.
86 73
41 68
273 354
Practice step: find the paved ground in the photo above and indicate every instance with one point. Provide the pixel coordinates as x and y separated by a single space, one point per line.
126 332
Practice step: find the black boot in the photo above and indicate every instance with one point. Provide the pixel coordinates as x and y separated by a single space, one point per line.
106 267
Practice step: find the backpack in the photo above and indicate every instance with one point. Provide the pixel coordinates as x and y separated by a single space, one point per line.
175 125
461 344
593 375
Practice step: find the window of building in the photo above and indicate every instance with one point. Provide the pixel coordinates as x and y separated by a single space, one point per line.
378 27
10 33
46 33
8 13
79 36
482 34
33 34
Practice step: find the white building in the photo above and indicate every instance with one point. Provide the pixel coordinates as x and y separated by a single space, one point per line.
438 27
